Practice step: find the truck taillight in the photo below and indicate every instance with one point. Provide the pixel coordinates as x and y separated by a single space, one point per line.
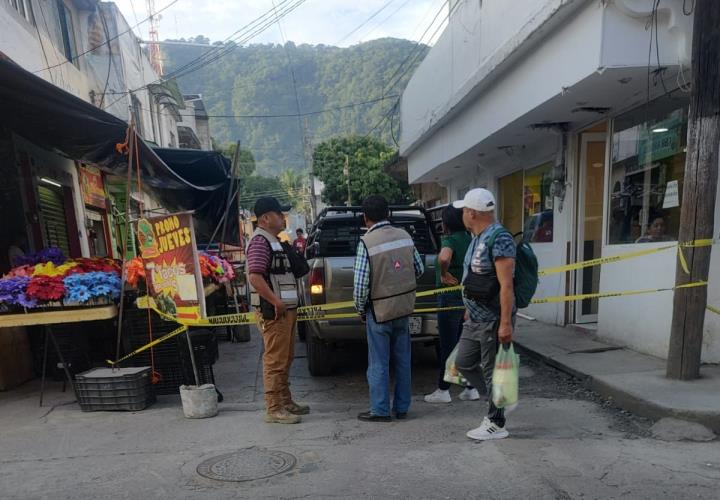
317 285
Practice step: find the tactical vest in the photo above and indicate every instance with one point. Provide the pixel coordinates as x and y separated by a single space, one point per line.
392 273
281 279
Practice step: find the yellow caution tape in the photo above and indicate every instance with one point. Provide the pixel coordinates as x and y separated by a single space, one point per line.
629 255
319 311
149 345
602 295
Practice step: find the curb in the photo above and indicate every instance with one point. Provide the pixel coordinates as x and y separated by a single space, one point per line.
627 400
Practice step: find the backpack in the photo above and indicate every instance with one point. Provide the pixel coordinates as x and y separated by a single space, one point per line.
525 281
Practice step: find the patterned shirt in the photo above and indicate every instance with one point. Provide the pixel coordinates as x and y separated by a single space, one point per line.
478 257
259 256
361 270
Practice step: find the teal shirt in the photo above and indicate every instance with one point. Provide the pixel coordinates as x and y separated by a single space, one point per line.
458 242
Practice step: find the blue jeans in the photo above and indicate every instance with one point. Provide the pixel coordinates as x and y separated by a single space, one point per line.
386 340
450 325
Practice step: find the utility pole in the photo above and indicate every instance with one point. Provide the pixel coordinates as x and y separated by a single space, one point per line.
346 171
308 157
700 185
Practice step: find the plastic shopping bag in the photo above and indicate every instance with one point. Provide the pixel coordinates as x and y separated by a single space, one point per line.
452 375
505 377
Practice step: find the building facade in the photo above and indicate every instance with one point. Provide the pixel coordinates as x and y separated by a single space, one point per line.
574 112
86 48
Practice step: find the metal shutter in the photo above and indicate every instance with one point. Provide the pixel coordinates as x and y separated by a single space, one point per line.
52 211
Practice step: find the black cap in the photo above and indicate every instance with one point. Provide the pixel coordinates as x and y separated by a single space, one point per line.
267 204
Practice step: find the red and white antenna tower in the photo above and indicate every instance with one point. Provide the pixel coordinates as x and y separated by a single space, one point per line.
155 54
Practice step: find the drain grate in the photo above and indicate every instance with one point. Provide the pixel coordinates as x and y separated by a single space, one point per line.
246 465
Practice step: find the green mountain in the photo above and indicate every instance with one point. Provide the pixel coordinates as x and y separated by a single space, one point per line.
257 80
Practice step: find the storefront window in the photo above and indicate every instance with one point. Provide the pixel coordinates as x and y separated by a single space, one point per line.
538 205
511 202
526 204
648 165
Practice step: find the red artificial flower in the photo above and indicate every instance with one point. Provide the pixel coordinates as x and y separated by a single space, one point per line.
46 288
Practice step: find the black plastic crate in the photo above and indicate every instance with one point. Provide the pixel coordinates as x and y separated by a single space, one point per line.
104 389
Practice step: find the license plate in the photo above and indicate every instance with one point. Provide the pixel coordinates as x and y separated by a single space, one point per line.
415 325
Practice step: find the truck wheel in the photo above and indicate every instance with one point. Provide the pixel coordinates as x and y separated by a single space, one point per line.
302 331
319 356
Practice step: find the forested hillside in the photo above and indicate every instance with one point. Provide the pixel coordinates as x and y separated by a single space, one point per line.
257 80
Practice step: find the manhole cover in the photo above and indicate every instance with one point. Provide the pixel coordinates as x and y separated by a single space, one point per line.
246 465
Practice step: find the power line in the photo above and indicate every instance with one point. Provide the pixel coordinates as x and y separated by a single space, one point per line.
107 42
201 62
386 5
364 37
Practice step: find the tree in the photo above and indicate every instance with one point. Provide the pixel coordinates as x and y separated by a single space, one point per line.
247 160
255 186
366 158
294 184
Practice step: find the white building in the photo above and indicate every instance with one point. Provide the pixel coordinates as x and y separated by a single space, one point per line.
65 43
575 114
194 126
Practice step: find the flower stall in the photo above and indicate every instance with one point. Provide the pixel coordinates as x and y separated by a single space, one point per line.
46 288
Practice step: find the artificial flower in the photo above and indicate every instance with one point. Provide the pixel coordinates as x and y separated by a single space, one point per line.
46 288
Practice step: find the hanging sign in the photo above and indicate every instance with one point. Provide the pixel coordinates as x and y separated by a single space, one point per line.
92 187
672 195
172 269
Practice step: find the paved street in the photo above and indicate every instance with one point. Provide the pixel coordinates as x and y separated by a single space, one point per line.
564 443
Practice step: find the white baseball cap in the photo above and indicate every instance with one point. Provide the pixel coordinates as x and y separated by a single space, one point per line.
478 199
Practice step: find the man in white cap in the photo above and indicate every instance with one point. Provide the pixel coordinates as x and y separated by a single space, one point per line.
490 302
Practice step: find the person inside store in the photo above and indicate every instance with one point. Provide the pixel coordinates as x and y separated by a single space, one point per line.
489 298
17 247
300 242
448 272
275 299
656 230
387 266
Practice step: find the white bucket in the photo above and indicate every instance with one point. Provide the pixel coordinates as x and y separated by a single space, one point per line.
199 402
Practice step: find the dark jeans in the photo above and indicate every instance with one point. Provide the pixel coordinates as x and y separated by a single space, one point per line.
449 330
477 348
386 341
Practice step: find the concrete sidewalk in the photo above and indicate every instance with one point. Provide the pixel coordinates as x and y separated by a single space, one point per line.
636 382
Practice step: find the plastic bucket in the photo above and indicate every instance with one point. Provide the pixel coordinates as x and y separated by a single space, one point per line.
199 402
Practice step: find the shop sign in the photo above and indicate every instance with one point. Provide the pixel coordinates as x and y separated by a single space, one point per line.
659 141
168 250
92 187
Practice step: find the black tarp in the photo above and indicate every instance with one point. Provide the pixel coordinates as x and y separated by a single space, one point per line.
58 121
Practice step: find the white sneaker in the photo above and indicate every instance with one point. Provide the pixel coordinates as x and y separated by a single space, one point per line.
439 396
469 395
487 431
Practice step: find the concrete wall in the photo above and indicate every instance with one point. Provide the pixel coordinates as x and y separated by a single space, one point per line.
20 41
477 44
561 59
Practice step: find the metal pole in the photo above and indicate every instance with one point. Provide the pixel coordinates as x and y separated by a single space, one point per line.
232 192
346 171
128 190
192 358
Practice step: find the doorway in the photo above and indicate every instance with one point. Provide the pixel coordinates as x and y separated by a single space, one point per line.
591 186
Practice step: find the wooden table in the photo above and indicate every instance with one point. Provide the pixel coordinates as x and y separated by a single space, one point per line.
49 318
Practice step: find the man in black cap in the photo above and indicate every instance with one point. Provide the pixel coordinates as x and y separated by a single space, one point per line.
275 299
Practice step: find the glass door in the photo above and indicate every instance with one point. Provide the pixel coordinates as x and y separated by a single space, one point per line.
590 221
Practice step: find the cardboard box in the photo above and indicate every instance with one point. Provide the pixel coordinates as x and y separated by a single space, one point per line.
16 366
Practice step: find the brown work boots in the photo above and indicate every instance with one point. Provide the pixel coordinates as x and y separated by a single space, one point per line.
288 415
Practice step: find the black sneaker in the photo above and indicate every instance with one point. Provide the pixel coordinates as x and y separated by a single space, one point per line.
400 415
367 416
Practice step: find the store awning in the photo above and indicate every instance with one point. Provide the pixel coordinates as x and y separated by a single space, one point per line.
58 121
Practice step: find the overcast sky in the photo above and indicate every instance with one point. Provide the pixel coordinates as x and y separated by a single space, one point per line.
330 22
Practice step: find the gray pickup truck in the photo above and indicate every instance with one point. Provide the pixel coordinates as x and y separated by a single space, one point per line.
331 247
